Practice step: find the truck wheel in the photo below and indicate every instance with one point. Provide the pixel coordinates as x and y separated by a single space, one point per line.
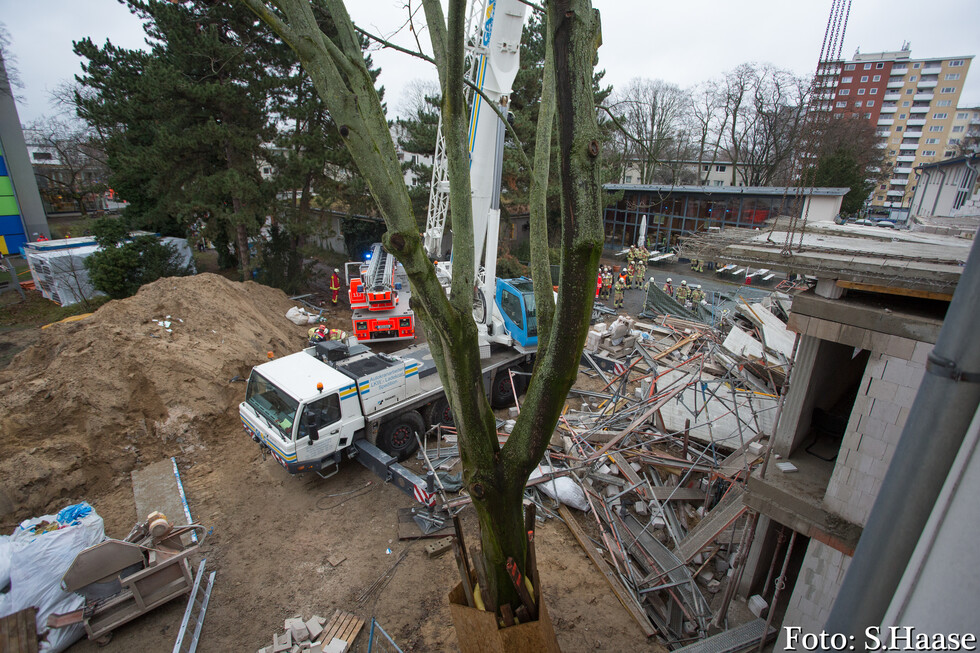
501 395
397 437
440 413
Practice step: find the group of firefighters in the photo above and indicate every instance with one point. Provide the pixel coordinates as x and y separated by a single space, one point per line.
631 276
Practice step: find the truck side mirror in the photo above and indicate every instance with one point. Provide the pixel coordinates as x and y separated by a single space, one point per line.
311 424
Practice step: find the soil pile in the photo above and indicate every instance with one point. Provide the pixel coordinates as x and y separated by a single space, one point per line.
144 377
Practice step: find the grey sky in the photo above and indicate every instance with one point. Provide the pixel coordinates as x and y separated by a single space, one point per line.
680 42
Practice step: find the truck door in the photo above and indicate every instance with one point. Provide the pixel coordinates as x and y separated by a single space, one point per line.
323 418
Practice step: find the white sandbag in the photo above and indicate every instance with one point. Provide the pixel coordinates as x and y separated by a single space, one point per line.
300 316
37 563
6 551
561 489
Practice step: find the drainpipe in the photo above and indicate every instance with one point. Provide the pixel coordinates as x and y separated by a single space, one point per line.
937 423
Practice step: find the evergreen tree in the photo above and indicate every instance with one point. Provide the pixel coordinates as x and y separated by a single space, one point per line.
184 123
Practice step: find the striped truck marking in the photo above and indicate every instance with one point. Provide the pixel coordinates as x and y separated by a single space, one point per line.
364 387
348 391
412 370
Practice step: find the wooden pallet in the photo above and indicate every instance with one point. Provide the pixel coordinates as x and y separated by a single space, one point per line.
340 632
18 632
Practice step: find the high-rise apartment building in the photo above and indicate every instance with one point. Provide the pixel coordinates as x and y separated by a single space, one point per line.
912 102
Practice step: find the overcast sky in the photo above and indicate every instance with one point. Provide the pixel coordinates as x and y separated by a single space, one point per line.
681 42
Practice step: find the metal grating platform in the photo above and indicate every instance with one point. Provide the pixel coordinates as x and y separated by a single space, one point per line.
731 641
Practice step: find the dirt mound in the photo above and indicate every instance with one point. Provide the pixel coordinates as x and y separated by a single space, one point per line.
143 377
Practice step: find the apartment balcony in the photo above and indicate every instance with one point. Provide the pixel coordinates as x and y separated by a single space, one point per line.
898 181
885 122
892 97
916 122
912 134
889 109
899 71
899 84
932 70
929 84
919 110
895 193
905 158
902 170
909 146
922 97
883 134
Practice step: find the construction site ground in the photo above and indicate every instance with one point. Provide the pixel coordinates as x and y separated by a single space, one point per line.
92 400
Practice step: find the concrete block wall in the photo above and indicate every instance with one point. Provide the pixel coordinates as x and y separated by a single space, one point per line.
816 589
890 383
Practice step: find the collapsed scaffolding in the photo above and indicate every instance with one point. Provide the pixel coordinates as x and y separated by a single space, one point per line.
656 442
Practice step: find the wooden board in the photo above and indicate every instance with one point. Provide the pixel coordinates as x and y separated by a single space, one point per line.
343 626
621 593
409 530
18 632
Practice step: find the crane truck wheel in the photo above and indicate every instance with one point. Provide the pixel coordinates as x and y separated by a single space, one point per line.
440 413
501 395
397 437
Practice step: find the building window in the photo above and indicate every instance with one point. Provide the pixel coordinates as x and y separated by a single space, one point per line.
890 153
908 91
949 153
849 66
720 168
936 128
860 91
879 66
869 103
706 168
844 91
955 62
901 116
948 89
958 129
940 116
898 128
954 141
718 182
916 65
952 77
864 78
932 141
874 91
867 66
928 152
944 103
906 103
841 105
962 115
42 156
867 116
912 78
857 105
876 78
846 80
266 171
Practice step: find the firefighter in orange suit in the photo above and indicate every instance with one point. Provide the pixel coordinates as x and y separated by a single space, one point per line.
334 286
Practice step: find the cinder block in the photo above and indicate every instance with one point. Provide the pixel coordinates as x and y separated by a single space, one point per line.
433 549
905 396
640 507
852 336
886 411
872 426
900 347
873 447
921 353
881 389
282 642
314 626
824 329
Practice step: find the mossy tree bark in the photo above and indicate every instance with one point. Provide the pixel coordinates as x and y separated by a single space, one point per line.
328 46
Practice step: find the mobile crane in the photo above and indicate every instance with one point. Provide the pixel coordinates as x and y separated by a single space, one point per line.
311 408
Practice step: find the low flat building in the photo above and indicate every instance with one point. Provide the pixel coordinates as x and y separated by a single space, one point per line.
672 212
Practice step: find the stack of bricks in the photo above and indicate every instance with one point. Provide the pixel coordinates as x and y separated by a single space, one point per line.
300 635
891 381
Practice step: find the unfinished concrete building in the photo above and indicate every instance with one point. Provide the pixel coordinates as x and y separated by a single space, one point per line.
863 337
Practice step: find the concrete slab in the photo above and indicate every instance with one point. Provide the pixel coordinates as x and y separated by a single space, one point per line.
155 488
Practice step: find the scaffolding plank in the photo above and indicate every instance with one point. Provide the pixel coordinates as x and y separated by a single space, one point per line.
718 519
730 641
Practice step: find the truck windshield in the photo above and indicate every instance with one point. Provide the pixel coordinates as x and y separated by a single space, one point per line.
278 408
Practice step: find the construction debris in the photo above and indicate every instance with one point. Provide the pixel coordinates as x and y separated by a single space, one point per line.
317 634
